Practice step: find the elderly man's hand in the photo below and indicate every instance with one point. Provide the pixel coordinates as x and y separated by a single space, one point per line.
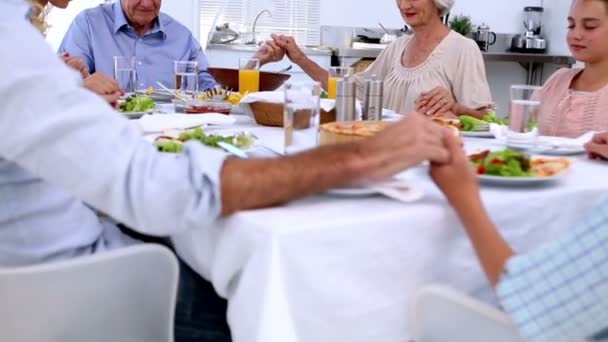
270 52
597 148
105 87
405 144
77 64
291 48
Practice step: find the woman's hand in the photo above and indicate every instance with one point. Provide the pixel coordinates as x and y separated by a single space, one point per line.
438 100
105 87
288 44
456 178
597 148
77 64
270 52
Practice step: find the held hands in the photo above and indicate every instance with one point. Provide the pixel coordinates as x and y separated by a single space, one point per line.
288 44
105 87
76 63
404 144
455 178
438 100
269 53
597 148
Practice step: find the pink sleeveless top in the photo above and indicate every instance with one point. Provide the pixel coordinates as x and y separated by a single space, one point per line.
568 113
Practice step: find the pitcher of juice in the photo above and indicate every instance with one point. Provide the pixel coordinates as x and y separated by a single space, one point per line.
335 74
249 75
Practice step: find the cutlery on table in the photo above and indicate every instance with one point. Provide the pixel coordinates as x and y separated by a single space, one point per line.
176 94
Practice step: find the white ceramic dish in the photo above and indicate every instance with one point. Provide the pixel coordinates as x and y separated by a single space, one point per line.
518 181
484 134
399 190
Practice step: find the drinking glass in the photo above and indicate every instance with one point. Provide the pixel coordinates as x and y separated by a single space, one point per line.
301 116
335 74
186 78
525 105
249 75
125 73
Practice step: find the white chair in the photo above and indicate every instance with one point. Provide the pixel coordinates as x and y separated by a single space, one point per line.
127 295
444 315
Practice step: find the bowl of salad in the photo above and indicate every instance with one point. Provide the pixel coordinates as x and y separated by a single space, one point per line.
135 106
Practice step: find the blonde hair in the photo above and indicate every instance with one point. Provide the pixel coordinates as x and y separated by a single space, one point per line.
39 17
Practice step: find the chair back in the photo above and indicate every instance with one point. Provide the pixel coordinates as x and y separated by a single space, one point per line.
444 315
127 295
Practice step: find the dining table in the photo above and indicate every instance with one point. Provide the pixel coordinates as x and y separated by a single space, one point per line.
329 267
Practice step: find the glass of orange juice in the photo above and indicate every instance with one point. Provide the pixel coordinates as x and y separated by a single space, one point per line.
335 74
249 75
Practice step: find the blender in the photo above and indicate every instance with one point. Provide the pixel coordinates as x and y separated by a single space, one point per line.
531 41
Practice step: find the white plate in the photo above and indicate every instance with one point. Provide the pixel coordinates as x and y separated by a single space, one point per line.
158 95
485 134
498 180
399 190
353 192
560 150
135 115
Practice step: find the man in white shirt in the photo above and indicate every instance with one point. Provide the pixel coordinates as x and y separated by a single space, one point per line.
65 154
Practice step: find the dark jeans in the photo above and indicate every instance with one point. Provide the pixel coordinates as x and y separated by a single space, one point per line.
200 315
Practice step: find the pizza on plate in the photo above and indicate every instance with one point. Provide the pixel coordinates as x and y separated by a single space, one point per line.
547 167
349 131
453 124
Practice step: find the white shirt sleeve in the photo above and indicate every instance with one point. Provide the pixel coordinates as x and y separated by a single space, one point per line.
70 137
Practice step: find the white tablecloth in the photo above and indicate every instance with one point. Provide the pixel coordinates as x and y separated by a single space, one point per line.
346 269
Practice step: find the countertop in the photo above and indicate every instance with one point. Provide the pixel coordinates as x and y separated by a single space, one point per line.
492 56
320 51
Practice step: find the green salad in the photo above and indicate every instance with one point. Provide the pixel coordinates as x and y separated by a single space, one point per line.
468 123
171 145
137 104
506 163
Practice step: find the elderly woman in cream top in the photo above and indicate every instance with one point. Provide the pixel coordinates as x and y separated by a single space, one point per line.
435 71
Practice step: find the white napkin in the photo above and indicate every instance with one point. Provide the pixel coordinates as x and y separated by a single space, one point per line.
500 133
159 123
279 97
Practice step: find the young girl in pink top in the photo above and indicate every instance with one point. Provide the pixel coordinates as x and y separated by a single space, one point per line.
575 101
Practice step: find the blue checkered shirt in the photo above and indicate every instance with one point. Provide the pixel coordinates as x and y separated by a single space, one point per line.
560 293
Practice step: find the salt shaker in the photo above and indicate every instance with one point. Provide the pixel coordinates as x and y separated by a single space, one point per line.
373 99
345 100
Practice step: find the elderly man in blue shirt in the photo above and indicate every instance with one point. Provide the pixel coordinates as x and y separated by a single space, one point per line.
135 28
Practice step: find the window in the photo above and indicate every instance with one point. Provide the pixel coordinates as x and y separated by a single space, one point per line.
298 18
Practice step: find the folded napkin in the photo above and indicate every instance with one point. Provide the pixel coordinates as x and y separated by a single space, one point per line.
279 97
500 133
159 123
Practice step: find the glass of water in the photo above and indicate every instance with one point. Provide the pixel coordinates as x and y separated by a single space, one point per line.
301 116
186 78
125 73
523 117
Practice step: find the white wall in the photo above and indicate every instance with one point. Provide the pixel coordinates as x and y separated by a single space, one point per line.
60 19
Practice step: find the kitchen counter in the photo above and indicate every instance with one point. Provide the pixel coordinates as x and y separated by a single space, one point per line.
313 51
492 56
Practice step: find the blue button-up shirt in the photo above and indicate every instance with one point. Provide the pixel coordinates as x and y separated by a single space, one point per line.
64 152
560 292
98 34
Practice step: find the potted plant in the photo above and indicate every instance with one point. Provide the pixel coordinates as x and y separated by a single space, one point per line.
462 24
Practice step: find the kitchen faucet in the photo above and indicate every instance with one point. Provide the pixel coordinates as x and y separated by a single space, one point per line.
253 40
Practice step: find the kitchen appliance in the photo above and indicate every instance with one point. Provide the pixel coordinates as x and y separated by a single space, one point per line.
531 41
484 37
